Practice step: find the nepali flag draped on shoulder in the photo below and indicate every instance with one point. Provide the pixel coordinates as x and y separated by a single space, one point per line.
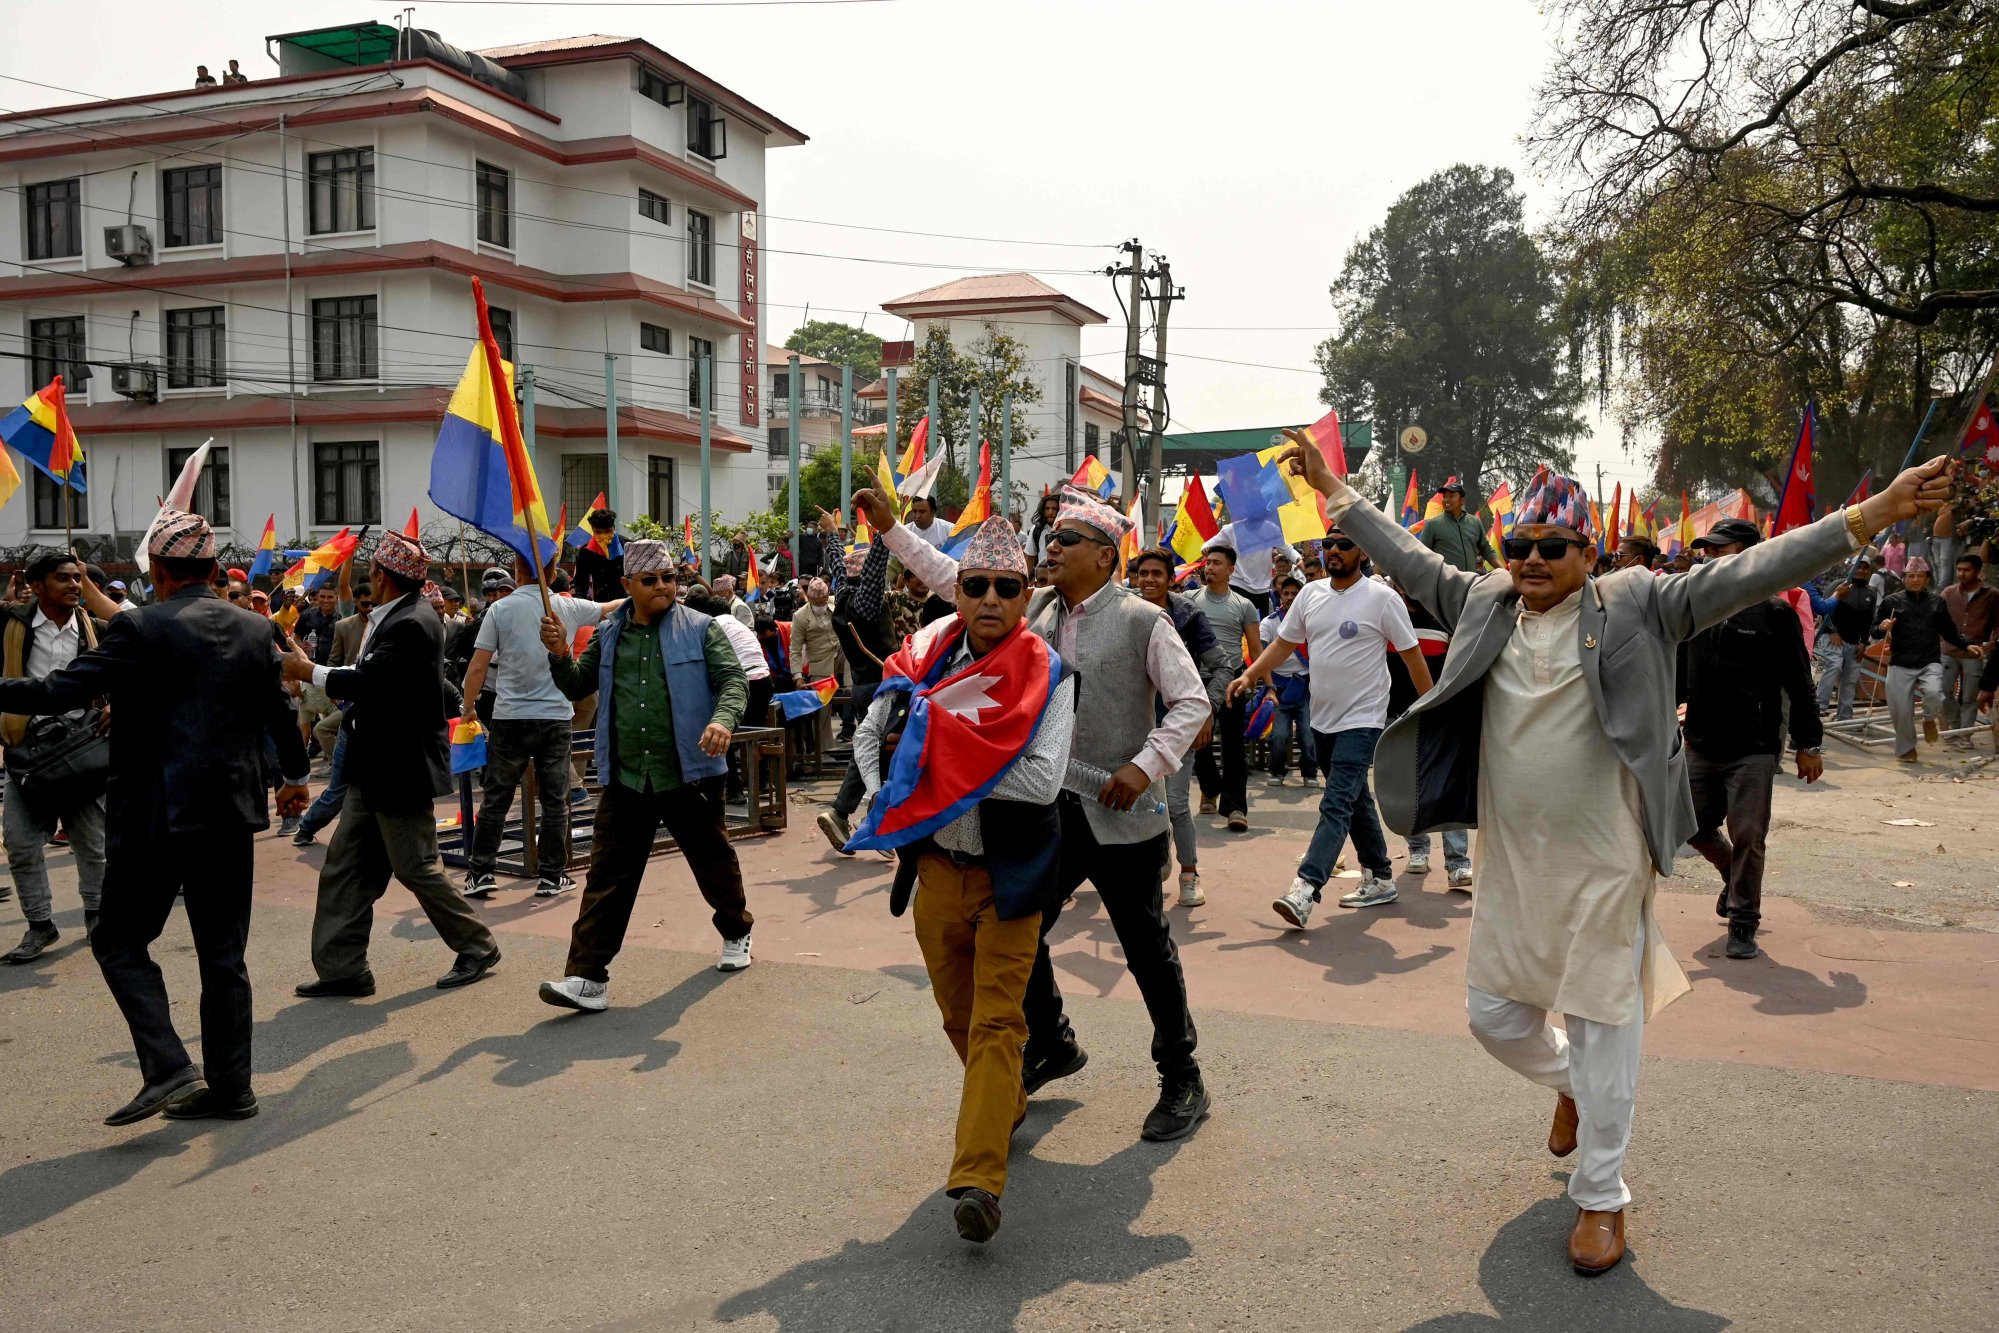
964 731
481 471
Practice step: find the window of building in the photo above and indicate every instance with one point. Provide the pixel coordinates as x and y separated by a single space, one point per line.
340 190
1093 438
49 495
194 349
55 220
655 338
656 207
584 478
192 209
780 441
211 493
699 350
343 339
659 490
700 248
707 133
659 88
496 207
347 483
55 347
780 387
502 321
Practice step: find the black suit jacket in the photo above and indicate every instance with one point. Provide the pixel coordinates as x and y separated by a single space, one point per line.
396 709
194 689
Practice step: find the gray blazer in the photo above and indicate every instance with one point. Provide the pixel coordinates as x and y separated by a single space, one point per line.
1426 765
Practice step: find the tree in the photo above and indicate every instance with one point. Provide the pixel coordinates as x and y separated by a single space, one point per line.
994 362
841 344
819 482
1447 320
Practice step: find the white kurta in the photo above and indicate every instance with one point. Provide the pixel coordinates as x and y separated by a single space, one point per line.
1565 876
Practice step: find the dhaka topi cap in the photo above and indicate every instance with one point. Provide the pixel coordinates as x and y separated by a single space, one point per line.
995 546
1453 485
1554 500
724 586
432 593
1916 565
1086 508
648 557
403 556
178 535
1729 531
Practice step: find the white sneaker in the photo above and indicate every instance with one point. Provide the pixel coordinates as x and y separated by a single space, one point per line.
1276 780
1190 889
591 997
735 955
1461 878
1297 904
1374 891
1419 864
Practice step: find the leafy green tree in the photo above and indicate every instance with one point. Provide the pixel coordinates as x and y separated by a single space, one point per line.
1447 315
841 344
994 362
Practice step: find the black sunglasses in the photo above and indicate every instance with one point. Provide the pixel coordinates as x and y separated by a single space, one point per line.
653 580
1008 587
1551 548
1342 544
1071 537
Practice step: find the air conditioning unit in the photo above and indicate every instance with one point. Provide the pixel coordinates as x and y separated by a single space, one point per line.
140 383
129 244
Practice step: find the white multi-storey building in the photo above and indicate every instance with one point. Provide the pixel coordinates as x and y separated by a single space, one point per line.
285 265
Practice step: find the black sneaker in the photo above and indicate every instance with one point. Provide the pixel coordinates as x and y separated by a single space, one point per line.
480 886
1742 942
977 1214
1037 1071
549 888
34 943
1183 1104
304 837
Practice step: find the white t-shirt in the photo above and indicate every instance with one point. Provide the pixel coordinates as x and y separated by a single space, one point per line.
1252 568
1290 666
748 651
936 534
1348 635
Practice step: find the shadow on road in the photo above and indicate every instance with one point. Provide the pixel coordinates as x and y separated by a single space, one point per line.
1782 991
1064 1223
310 1026
1525 1273
1341 942
33 1192
324 1096
548 1049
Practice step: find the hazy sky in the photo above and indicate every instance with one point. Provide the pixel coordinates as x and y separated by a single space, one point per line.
1251 142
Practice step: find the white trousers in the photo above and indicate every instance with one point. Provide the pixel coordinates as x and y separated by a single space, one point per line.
1595 1063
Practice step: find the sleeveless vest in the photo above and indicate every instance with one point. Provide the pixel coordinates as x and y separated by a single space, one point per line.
682 643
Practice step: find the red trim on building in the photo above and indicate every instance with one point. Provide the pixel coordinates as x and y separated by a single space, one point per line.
410 255
1089 397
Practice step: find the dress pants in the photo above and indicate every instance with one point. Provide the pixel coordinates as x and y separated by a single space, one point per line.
212 870
620 850
1127 877
27 840
1595 1063
512 746
1734 792
1346 807
979 966
1225 775
368 848
1903 684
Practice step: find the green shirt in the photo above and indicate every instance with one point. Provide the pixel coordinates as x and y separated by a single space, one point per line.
1461 541
644 753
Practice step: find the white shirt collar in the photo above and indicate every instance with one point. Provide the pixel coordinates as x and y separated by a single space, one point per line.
40 619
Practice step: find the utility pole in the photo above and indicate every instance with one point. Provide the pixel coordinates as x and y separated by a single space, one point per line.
846 438
703 370
611 431
1133 312
793 408
1153 494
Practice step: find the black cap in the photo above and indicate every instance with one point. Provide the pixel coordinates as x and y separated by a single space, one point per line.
1730 531
1453 485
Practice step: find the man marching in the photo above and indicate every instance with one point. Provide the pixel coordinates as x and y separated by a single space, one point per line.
1552 731
669 693
978 703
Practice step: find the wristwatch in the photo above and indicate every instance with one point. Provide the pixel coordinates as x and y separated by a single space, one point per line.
1856 526
1812 749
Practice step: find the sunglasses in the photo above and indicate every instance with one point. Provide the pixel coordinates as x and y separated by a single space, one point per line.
1008 587
1551 548
653 580
1071 537
1342 544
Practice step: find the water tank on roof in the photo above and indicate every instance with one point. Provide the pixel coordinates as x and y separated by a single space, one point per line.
424 44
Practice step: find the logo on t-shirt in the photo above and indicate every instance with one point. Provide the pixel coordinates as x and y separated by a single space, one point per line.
1348 629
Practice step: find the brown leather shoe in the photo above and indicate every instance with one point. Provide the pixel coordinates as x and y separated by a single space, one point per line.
1562 1134
1597 1243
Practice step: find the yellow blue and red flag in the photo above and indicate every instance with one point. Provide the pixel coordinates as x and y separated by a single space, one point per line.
913 456
980 507
1094 476
616 549
481 470
1412 518
805 702
267 549
313 571
40 429
1193 522
751 586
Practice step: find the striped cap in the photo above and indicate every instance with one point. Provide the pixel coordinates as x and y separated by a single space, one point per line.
647 557
178 535
403 557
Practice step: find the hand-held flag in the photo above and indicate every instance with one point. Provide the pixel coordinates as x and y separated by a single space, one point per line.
40 429
750 587
616 549
413 529
980 507
805 702
1795 502
267 550
1411 516
1094 476
1193 522
1612 535
913 457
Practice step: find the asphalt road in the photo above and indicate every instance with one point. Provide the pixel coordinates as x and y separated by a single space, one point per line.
765 1151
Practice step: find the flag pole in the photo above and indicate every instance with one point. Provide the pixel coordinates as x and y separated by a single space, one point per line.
464 565
504 404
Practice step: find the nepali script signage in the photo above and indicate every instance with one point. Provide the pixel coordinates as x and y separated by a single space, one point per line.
751 342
